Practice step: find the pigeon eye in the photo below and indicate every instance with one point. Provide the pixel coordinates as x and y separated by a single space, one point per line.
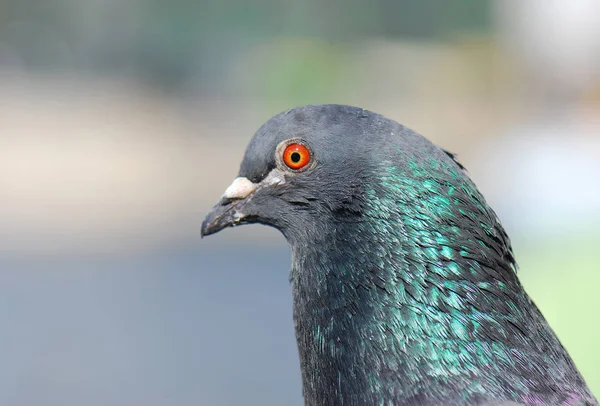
296 156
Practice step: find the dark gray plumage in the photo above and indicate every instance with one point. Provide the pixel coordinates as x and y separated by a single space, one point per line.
404 281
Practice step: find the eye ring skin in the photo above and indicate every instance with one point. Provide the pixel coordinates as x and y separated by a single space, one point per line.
279 151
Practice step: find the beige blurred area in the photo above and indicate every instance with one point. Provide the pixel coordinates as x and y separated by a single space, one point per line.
98 166
92 164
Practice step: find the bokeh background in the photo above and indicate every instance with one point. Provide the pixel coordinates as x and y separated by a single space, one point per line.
121 123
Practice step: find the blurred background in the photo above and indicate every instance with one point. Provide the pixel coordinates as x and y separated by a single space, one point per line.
121 123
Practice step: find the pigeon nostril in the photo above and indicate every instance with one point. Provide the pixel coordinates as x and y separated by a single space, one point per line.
227 200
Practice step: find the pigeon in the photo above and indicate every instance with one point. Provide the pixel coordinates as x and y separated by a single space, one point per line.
404 282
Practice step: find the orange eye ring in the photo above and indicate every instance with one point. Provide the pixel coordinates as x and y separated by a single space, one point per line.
296 156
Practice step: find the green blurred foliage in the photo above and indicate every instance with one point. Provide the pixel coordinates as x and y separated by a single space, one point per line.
553 278
168 43
302 72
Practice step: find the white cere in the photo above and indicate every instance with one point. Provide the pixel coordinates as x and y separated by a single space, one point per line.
240 188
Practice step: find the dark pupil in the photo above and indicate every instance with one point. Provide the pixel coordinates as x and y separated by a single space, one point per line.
295 157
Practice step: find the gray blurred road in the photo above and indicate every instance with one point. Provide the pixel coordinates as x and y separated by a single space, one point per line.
202 325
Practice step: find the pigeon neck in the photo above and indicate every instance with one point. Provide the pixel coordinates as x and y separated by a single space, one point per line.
410 296
361 324
380 320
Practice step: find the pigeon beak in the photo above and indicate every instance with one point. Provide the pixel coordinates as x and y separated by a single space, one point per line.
227 213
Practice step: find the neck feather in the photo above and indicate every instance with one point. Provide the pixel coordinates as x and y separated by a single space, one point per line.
420 305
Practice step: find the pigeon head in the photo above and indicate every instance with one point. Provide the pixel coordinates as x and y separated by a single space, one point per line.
311 167
404 282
